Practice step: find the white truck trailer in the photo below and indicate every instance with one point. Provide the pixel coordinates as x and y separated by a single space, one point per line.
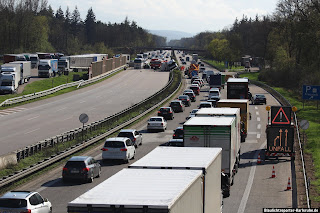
215 132
10 78
25 70
83 62
144 190
207 160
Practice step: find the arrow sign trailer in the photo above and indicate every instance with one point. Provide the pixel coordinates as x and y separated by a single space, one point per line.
280 115
311 92
280 139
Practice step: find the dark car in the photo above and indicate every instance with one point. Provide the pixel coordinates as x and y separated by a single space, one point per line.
259 99
166 112
194 78
191 95
184 62
185 100
178 133
174 142
177 106
83 168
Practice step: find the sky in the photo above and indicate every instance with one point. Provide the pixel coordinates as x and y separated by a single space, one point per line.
191 16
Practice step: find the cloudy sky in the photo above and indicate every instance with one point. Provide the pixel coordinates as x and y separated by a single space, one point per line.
192 16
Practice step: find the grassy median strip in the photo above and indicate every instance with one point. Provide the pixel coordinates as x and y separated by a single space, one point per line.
307 111
38 157
219 65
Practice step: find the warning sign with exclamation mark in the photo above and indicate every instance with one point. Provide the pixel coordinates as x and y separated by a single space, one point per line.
280 115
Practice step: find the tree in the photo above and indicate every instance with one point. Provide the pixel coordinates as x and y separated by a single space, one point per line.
90 25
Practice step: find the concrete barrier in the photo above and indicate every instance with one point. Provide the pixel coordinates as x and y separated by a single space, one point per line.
8 160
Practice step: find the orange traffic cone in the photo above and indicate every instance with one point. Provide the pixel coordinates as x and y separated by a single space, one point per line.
273 173
289 184
259 159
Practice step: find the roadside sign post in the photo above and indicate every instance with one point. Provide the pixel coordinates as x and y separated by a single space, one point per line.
304 124
311 93
83 118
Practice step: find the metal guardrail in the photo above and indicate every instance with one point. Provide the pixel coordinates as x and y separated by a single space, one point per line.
285 102
79 83
73 134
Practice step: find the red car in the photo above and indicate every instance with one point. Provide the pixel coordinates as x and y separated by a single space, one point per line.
195 88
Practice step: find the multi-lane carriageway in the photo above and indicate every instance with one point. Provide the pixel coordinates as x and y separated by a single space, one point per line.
253 186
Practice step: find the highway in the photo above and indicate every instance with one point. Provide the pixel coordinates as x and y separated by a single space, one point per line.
30 123
253 187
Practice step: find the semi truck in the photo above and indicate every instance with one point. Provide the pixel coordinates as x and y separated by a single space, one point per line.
47 67
64 64
216 132
10 78
238 88
215 80
25 70
83 62
34 60
243 104
207 160
144 190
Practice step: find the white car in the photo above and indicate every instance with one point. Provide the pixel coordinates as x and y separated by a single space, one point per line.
157 123
120 148
24 201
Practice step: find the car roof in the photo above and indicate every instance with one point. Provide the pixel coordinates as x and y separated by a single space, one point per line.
17 194
78 158
205 102
179 127
176 101
127 130
176 140
117 138
214 89
157 117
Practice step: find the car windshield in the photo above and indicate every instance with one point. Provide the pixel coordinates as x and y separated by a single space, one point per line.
194 111
75 164
178 144
155 119
260 96
13 203
164 110
179 131
183 97
175 104
125 134
214 93
114 144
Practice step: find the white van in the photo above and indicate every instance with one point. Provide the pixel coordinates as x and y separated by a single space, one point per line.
214 93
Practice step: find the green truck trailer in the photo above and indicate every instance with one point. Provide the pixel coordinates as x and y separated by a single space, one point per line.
216 132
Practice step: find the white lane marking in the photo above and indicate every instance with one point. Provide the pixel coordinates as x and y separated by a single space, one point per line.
33 118
82 102
259 126
258 118
31 131
93 108
252 133
257 113
63 108
246 193
256 107
258 136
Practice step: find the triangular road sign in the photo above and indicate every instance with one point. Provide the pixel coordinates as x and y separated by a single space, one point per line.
281 117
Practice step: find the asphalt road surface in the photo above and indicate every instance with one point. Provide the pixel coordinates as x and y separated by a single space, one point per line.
30 123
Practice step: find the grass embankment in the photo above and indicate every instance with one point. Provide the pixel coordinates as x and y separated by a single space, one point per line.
25 163
310 113
219 65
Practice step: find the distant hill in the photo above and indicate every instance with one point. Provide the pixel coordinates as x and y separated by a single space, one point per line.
171 35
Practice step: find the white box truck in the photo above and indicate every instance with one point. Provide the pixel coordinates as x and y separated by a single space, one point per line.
47 67
207 160
25 70
10 78
83 62
144 190
215 132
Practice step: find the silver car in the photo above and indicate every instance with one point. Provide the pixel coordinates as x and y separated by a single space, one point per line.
133 134
24 201
157 123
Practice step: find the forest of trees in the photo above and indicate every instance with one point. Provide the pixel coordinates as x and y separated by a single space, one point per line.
289 41
33 26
